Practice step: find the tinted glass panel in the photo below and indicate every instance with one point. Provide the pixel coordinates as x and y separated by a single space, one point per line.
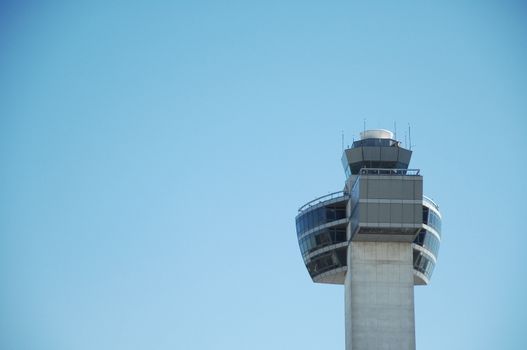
327 261
434 221
423 264
425 215
319 216
321 239
428 240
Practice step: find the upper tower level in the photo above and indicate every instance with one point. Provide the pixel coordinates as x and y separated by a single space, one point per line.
382 201
376 149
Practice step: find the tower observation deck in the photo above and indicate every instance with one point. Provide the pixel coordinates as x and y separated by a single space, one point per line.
378 237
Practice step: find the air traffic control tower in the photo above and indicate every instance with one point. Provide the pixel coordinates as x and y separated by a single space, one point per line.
378 237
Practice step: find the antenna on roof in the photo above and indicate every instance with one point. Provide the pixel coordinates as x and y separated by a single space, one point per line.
409 137
405 143
395 130
342 140
364 127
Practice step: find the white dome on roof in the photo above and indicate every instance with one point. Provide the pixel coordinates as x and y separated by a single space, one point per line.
376 134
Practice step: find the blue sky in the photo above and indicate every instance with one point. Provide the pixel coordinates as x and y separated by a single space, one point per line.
154 155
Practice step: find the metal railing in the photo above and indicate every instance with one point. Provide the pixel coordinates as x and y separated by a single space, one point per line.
431 202
324 198
387 171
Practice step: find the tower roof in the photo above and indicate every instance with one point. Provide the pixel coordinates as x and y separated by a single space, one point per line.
377 148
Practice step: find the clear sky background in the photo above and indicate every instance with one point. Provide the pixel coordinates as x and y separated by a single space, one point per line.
154 155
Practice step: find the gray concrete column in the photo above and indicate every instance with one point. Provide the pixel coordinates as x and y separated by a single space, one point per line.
379 296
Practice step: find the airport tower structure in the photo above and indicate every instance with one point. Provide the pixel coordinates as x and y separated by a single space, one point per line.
378 237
